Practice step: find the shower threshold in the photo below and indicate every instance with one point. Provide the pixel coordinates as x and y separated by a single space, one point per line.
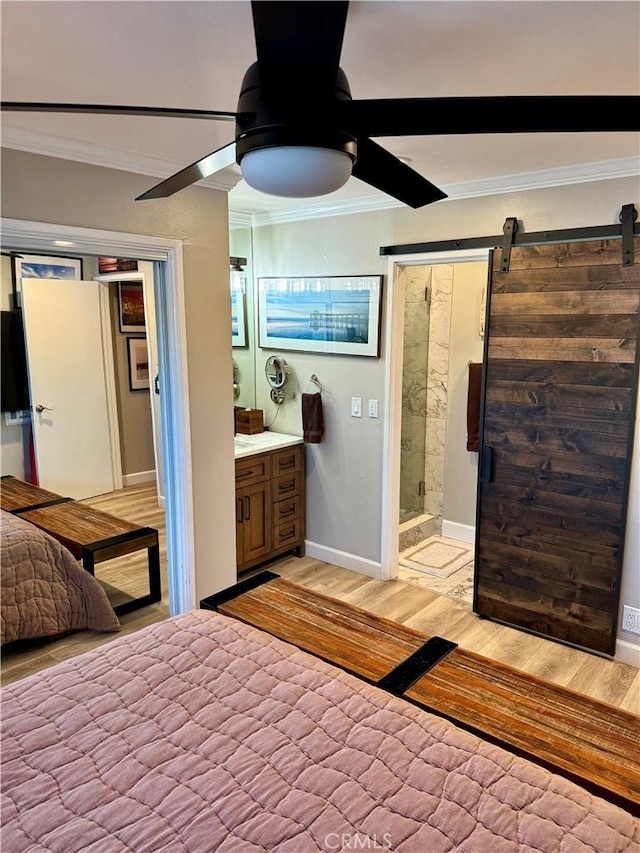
416 530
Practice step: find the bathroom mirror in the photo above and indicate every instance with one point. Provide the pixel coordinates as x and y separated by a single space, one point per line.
244 373
277 371
236 380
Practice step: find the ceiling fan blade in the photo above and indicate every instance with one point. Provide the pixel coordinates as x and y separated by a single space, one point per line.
106 109
502 114
298 44
209 165
385 172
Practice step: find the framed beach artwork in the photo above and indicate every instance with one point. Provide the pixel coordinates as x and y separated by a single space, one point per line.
131 306
339 315
45 266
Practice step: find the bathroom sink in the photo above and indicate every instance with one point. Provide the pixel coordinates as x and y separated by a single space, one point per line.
241 443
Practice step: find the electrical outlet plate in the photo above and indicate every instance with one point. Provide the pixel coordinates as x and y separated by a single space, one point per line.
631 619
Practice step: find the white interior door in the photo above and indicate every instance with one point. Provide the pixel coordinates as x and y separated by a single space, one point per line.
70 377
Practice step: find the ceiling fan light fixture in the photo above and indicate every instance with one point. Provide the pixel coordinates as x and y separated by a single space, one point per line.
296 171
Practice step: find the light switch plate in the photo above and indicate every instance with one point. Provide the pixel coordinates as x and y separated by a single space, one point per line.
356 407
373 408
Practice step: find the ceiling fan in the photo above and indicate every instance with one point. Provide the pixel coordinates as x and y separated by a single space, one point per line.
299 133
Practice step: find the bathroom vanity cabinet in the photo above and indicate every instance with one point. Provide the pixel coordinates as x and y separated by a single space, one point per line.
270 505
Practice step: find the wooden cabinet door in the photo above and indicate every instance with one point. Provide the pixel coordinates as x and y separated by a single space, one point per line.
560 377
253 523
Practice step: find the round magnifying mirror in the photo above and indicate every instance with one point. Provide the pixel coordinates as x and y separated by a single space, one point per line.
277 371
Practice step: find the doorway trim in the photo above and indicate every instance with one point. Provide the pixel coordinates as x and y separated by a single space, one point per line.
393 392
172 357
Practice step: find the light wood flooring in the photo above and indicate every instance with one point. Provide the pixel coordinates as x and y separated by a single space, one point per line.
608 681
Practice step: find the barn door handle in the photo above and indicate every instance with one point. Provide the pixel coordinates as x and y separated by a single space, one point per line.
486 458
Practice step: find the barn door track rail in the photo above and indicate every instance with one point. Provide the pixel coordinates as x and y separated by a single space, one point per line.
513 235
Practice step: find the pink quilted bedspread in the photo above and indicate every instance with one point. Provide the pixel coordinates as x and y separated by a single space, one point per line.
45 590
203 734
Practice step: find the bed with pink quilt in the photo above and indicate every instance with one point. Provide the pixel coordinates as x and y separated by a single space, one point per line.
202 733
44 589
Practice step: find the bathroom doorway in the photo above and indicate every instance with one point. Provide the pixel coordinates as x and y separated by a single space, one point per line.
440 301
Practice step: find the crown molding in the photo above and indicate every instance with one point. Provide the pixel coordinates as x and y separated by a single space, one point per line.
624 167
240 219
49 145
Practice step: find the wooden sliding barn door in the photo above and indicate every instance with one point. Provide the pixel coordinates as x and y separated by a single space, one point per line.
560 388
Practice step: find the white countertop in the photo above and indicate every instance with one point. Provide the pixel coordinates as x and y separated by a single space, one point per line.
248 445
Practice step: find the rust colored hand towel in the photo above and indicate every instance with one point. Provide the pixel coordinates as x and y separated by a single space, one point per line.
312 418
473 406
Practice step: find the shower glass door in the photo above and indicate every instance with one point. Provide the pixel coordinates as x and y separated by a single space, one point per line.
414 391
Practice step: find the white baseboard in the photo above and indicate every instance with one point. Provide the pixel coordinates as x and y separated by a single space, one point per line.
139 477
343 559
627 653
461 532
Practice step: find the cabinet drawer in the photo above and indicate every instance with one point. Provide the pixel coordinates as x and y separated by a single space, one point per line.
286 486
286 461
252 469
286 510
287 534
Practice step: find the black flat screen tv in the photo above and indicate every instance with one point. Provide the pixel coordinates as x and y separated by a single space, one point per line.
14 384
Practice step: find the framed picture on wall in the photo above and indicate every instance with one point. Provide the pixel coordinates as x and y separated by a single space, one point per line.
45 266
107 265
131 306
138 357
337 315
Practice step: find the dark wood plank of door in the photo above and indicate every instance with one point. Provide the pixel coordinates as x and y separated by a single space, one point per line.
561 374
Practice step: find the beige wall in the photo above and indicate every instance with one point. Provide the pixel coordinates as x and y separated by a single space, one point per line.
45 189
466 344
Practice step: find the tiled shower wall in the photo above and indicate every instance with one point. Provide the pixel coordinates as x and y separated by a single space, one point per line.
424 392
437 387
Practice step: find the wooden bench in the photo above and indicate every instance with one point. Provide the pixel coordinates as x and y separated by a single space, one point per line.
91 535
589 742
17 496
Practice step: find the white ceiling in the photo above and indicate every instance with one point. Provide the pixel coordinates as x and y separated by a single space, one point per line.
194 54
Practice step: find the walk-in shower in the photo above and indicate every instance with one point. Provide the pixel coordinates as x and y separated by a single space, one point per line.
427 324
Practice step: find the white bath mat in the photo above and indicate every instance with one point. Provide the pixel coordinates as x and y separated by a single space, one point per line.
437 556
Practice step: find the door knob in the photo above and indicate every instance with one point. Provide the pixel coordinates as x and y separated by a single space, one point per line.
41 408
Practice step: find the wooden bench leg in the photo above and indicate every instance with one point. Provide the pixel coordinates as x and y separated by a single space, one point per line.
155 590
88 562
126 544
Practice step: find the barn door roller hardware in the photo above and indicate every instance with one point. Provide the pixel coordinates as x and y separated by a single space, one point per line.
509 229
628 216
